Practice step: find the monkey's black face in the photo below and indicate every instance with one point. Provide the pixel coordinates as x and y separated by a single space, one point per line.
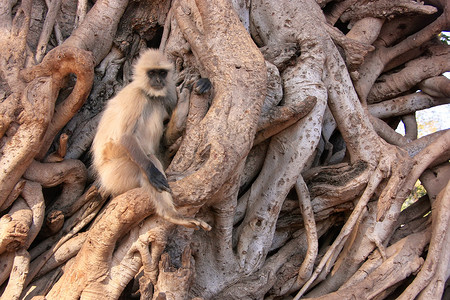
157 78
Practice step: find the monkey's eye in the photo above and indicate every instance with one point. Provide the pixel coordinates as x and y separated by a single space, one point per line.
163 73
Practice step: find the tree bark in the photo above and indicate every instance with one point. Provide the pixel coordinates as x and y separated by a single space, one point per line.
292 157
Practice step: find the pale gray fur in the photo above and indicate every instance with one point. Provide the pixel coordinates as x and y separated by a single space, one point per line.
139 111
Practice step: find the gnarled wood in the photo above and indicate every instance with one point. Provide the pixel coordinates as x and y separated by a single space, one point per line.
303 89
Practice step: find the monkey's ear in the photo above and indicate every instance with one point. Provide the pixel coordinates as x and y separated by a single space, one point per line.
201 86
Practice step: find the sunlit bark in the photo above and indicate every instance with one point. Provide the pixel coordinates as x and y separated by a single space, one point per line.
292 158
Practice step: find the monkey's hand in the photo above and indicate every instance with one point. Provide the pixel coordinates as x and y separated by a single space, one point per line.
157 179
201 86
145 163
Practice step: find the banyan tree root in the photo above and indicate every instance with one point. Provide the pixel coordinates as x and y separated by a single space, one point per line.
430 281
37 123
123 212
72 174
168 274
402 259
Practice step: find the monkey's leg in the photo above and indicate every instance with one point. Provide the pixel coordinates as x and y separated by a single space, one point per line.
174 217
164 207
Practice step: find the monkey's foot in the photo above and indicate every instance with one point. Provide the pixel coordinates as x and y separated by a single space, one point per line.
189 222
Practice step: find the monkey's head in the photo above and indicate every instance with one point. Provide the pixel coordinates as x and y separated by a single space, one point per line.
153 72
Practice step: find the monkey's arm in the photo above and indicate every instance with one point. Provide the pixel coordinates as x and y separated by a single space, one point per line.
147 166
177 121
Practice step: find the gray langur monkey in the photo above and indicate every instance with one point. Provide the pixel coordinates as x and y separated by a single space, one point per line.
126 148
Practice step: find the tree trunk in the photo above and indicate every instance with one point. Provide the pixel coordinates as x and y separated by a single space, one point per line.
292 158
